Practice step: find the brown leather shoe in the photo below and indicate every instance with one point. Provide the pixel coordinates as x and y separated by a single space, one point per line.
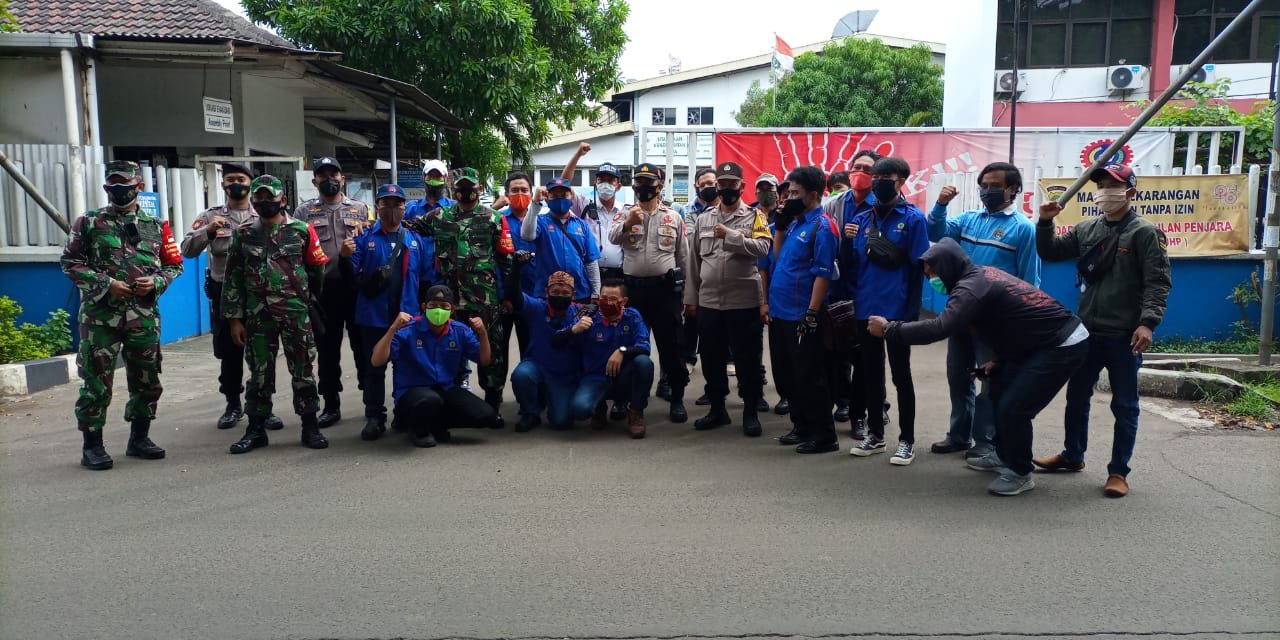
635 423
1117 486
600 417
1057 462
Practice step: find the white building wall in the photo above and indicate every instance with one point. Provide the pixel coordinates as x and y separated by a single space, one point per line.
723 93
1089 84
275 122
31 105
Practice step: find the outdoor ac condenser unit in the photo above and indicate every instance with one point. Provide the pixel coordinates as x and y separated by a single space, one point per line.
1004 82
1206 73
1126 77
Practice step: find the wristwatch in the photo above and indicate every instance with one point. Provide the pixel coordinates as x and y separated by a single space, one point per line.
622 350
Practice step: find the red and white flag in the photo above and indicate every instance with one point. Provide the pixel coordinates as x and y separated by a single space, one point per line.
783 59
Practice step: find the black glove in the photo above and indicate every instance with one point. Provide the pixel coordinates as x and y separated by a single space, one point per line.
523 256
809 324
588 309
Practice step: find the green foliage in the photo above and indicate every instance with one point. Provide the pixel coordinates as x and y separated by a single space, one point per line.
7 21
506 67
1258 401
1242 339
1208 107
854 83
19 343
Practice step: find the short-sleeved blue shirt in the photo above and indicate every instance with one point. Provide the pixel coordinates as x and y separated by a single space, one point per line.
422 358
807 253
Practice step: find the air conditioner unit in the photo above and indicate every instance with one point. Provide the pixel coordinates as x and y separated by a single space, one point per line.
1126 77
1004 82
1206 73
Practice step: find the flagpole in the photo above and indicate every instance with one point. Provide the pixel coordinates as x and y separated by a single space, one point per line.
773 73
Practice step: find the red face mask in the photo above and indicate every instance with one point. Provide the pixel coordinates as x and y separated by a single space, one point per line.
860 181
519 201
611 308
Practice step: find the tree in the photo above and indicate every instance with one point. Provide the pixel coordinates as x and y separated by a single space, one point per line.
853 83
509 68
7 21
1208 107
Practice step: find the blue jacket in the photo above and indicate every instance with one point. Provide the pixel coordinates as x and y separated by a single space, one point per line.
891 293
562 364
373 250
528 275
1005 239
844 210
599 342
807 253
566 246
421 358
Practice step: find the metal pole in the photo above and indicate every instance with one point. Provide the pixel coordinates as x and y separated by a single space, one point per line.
1150 111
1013 97
395 156
41 201
75 190
1270 242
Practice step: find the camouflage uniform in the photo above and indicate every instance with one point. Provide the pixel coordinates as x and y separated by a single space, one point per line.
473 255
108 245
274 271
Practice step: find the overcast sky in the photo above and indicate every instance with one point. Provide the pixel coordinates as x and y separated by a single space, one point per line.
700 34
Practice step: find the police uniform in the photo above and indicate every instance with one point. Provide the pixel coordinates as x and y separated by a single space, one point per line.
333 223
654 258
119 242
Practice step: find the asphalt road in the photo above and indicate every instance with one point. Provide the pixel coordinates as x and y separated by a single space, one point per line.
593 535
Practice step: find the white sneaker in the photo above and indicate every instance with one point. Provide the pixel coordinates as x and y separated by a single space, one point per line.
904 454
869 446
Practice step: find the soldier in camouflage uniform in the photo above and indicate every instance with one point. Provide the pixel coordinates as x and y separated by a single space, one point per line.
274 274
121 259
473 254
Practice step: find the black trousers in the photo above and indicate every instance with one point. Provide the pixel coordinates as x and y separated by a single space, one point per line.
690 333
337 307
661 309
873 356
430 409
736 331
780 360
848 384
810 395
516 321
1021 390
230 354
375 378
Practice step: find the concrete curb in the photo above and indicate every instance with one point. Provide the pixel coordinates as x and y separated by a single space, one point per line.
25 378
1179 385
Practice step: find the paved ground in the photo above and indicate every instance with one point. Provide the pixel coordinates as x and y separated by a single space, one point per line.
589 535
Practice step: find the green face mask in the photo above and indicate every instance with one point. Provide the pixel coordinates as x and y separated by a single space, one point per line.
937 285
438 317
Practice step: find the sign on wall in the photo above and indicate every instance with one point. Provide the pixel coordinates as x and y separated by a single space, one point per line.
149 202
1201 215
218 116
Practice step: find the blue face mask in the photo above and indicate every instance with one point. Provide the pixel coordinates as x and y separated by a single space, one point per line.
938 285
559 206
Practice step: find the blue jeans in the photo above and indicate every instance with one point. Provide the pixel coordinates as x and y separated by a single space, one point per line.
972 417
631 385
1021 390
1114 354
535 391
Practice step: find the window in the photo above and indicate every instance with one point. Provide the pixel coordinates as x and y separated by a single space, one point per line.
1199 21
702 115
664 116
1074 33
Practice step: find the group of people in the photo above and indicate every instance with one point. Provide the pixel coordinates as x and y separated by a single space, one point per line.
829 268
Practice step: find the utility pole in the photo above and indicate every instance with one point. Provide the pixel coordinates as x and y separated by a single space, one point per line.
1013 97
1270 243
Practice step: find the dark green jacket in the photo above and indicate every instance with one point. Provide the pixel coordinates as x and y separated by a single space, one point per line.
1134 291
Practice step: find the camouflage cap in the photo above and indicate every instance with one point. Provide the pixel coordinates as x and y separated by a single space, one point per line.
465 174
268 182
124 168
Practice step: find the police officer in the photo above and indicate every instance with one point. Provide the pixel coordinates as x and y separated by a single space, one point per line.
724 295
563 242
213 229
274 272
121 259
428 353
473 250
433 175
389 264
337 221
654 250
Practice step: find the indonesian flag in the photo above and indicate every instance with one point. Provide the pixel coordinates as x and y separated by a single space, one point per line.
783 59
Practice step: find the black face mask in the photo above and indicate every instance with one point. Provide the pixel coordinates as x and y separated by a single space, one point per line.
559 303
993 199
467 196
330 187
794 208
268 209
435 193
123 195
886 190
646 192
730 196
708 194
237 191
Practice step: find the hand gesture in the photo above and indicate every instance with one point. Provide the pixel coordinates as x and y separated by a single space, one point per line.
1050 210
764 314
348 248
850 230
401 321
985 370
237 332
720 230
540 194
876 326
634 216
614 364
143 287
523 256
218 222
120 290
1141 339
947 194
691 310
477 325
583 324
584 148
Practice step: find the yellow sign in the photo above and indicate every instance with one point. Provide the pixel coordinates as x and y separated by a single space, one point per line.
1201 215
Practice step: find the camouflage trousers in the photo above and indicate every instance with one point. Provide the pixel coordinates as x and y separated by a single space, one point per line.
493 377
264 335
99 346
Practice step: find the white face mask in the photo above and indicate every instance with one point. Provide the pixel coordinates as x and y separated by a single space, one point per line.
606 190
1112 199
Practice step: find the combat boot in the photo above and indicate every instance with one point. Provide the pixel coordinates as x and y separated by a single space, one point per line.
635 423
255 437
332 413
678 414
311 436
141 446
718 417
273 423
750 420
94 456
232 415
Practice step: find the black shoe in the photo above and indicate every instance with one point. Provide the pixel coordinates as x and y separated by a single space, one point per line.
948 445
527 423
618 412
714 420
783 407
329 417
373 429
424 440
442 435
818 447
273 423
498 422
790 438
231 416
858 428
750 423
255 437
702 401
762 405
311 436
94 456
664 389
678 415
493 399
141 446
841 414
